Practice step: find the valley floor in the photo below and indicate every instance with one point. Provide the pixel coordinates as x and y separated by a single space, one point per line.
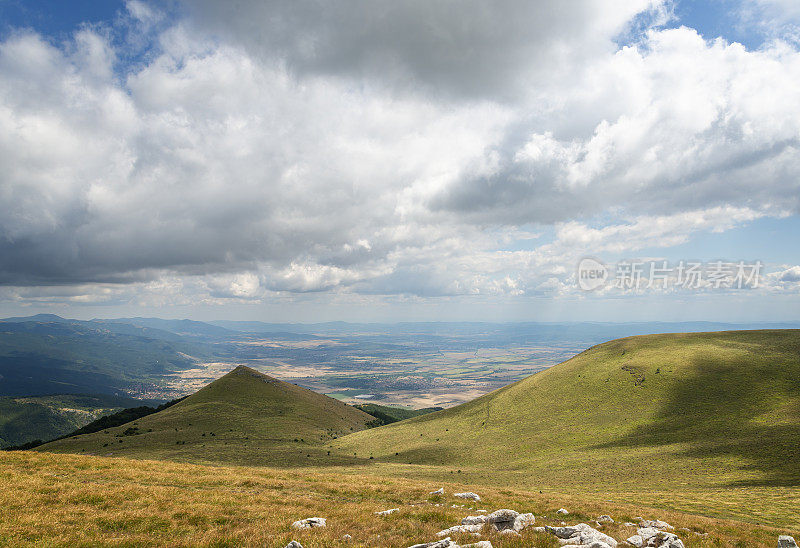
70 500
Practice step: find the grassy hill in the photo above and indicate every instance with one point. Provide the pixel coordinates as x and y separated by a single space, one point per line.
694 410
704 423
245 417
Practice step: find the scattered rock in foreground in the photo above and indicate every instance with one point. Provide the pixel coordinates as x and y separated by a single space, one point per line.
651 537
468 495
785 541
447 543
562 511
444 543
387 512
294 544
473 529
502 521
582 535
309 523
439 491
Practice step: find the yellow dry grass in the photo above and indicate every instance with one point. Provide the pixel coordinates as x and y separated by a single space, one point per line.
70 500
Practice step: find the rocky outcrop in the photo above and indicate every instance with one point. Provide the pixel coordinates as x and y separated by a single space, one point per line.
500 520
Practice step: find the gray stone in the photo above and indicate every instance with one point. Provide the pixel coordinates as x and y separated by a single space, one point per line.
500 516
581 535
468 495
654 538
444 543
472 520
309 523
523 521
439 491
657 524
785 541
471 529
562 511
294 544
387 512
635 540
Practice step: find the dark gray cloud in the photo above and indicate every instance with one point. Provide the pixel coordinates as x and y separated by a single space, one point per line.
463 48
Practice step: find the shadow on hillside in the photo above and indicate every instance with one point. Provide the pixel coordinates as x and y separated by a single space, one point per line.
723 411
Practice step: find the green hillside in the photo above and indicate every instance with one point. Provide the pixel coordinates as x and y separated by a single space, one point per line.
245 417
27 419
692 410
387 414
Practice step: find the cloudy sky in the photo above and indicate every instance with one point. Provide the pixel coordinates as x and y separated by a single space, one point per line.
376 160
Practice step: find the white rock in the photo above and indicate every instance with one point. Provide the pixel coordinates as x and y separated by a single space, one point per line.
562 511
479 544
605 519
654 538
347 538
444 543
502 516
523 521
635 540
629 524
468 495
785 541
439 491
657 524
309 523
294 544
387 512
472 520
455 529
581 535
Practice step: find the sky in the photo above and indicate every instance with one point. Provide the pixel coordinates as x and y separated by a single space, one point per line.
375 160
